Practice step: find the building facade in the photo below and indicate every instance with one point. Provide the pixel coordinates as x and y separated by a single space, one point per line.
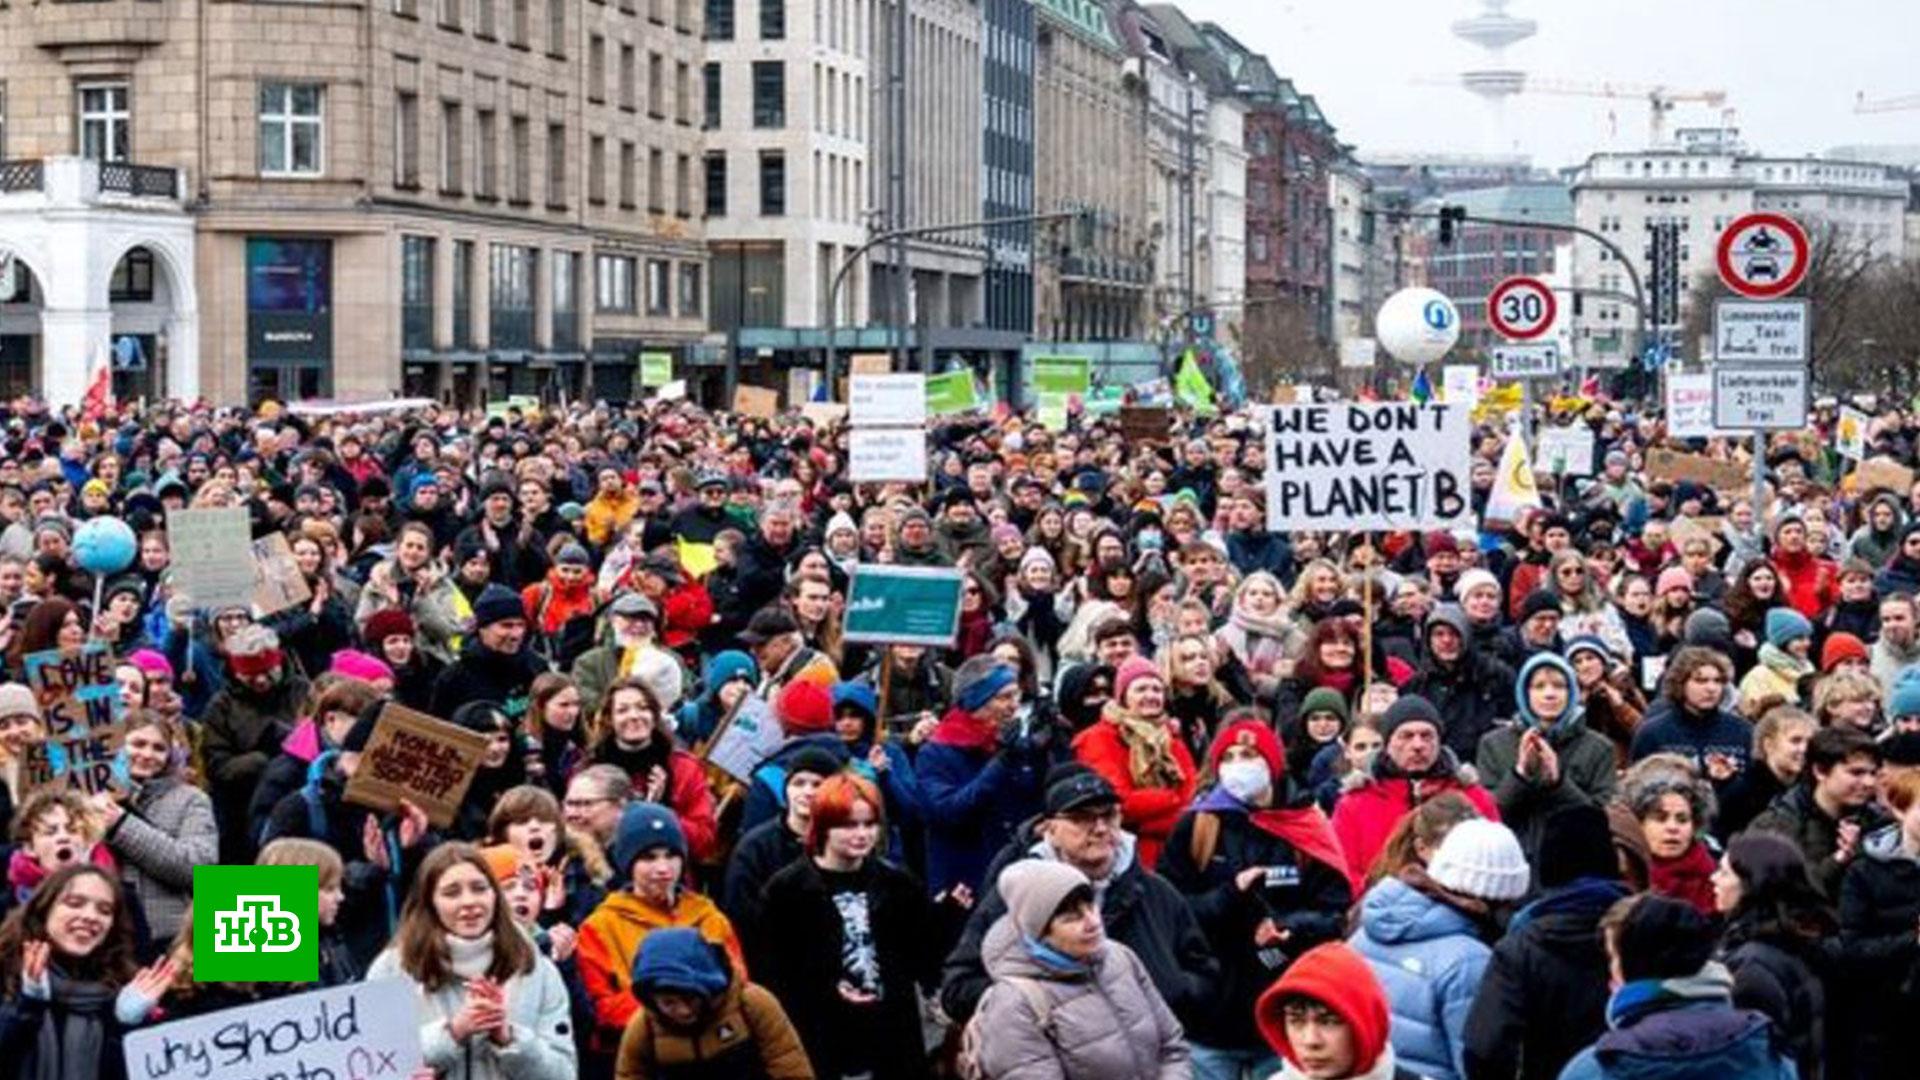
1007 161
1480 256
457 199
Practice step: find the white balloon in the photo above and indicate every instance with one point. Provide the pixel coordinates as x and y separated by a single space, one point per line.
1417 325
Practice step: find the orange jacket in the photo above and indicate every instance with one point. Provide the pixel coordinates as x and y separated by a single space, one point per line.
610 939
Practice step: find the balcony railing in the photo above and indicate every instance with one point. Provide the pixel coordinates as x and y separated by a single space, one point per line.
21 176
140 180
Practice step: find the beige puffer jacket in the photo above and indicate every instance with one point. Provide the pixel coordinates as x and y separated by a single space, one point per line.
1109 1024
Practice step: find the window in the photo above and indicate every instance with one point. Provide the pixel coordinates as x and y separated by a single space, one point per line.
692 299
416 292
557 28
613 283
719 20
769 94
406 139
1258 247
452 148
683 93
773 183
773 20
656 86
3 121
522 23
404 8
486 152
710 98
656 181
483 19
716 184
683 16
629 78
657 12
596 68
683 185
132 280
597 170
659 296
463 294
566 301
510 286
450 14
556 166
106 122
522 161
629 176
290 129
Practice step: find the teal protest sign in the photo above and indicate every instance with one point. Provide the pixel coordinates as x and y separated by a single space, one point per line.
903 605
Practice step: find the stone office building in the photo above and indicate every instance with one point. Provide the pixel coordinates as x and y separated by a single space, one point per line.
452 198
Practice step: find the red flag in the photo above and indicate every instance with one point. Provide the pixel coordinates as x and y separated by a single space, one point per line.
98 400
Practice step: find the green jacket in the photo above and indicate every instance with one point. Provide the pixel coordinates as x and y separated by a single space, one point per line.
1586 777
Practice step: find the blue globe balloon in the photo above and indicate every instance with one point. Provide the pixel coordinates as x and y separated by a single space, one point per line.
104 546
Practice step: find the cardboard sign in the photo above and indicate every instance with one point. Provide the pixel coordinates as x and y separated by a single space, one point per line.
278 583
880 455
656 369
1685 529
1698 469
362 1029
903 605
212 556
1146 424
1880 472
1850 434
415 757
81 707
824 413
756 401
744 739
881 400
1357 465
872 363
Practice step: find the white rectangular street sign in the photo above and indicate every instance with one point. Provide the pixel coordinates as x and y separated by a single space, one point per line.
1760 398
1761 331
887 400
1525 361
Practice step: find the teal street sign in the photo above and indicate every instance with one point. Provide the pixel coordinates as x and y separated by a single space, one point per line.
903 605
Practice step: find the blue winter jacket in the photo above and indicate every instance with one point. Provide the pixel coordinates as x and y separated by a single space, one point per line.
975 801
1429 959
1682 1039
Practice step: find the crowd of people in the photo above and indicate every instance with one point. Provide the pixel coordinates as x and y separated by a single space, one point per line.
1627 787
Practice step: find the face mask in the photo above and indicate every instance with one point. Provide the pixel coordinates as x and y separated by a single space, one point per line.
1245 780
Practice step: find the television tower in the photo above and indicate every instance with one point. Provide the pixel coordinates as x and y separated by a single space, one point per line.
1493 30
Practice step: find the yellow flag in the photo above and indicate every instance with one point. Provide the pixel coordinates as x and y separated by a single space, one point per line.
697 558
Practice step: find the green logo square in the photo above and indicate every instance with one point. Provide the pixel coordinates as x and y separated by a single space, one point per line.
256 924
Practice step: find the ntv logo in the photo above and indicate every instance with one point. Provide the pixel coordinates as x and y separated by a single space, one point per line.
256 925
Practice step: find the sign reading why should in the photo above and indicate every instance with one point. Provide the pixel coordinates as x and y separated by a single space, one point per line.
80 703
879 400
212 555
1368 466
903 605
415 757
363 1029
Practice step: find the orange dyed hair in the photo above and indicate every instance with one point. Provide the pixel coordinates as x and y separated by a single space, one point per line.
833 807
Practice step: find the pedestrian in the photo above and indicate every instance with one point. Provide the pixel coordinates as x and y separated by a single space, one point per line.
701 1019
1776 920
159 829
1413 767
1136 748
1327 1019
1673 810
1547 758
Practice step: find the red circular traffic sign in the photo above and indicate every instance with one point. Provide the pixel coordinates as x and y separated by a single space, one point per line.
1522 308
1763 255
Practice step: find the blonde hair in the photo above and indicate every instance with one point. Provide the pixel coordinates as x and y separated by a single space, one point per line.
298 851
1843 688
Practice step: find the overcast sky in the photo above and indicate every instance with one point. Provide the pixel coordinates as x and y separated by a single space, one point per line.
1790 69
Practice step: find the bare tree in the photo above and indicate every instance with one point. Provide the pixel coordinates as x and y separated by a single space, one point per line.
1281 343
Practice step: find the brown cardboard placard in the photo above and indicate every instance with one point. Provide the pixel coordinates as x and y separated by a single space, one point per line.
1698 469
278 583
870 363
1145 423
756 401
1881 472
412 756
1684 529
84 720
824 413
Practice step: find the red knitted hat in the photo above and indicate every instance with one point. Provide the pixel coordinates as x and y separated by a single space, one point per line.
1134 667
805 708
1338 977
386 623
1249 733
1842 646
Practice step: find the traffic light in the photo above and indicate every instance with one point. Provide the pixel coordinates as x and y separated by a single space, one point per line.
1450 216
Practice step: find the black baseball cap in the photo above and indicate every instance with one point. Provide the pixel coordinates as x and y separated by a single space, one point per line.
770 623
1079 791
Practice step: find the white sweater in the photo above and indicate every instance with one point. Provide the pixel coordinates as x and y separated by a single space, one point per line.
537 1008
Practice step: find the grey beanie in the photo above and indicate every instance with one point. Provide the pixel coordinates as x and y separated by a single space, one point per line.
1034 889
1707 626
1410 709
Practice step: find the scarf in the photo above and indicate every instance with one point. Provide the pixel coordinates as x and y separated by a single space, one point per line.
1687 877
470 957
1053 959
966 731
1305 828
1783 663
1712 983
1273 626
73 1029
1149 743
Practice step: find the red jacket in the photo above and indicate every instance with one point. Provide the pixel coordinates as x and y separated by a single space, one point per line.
1148 813
1365 816
684 613
551 604
1811 584
689 797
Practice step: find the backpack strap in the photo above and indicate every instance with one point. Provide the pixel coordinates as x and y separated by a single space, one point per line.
1037 1000
1205 839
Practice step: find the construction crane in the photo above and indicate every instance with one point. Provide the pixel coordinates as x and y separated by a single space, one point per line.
1861 103
1660 99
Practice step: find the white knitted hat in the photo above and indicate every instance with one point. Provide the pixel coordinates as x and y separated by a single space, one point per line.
1481 859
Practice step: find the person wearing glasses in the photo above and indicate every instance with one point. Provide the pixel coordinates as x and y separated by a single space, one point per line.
594 799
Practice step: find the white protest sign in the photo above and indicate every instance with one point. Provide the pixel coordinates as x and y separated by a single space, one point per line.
1566 451
745 739
1459 385
1690 406
878 455
1359 353
877 400
1368 466
364 1029
1850 434
213 555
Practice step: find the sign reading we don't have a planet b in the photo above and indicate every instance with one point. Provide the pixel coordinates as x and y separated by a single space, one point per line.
1368 466
81 707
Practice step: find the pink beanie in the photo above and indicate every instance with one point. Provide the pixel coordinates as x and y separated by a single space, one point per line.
358 665
1673 577
151 662
1132 670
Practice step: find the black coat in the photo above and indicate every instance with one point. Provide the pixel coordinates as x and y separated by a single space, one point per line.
762 852
1875 992
482 674
805 970
1141 911
1543 998
1471 696
1307 898
1780 977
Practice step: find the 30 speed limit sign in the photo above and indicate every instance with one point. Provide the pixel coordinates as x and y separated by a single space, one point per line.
1521 308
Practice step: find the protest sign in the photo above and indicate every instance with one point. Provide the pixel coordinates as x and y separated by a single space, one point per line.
1697 469
415 757
1051 411
1686 529
877 455
756 401
1068 376
823 413
1368 466
887 400
950 392
673 391
903 605
362 1029
526 403
81 708
1690 407
1514 490
1460 385
744 739
1850 434
872 363
278 583
656 368
1883 473
1566 451
1145 424
212 555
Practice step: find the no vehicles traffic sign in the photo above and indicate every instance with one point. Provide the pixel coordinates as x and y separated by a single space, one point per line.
1521 308
1761 256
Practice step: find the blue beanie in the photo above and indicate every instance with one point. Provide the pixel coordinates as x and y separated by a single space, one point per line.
1535 663
726 666
858 695
424 480
979 679
1784 625
677 958
643 827
1905 699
